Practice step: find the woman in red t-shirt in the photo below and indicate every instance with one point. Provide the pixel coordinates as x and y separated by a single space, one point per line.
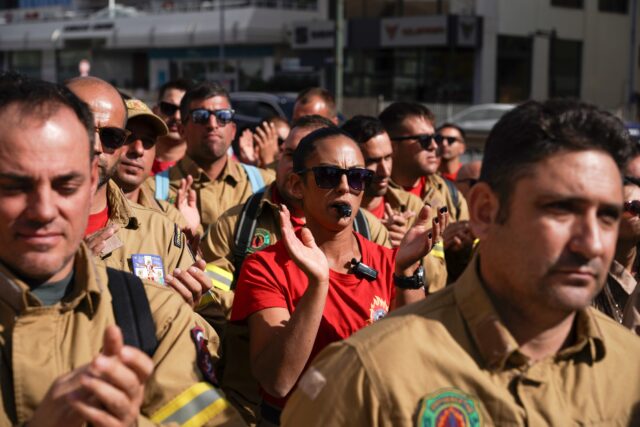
303 293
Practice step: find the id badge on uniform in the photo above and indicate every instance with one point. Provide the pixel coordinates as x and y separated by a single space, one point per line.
148 267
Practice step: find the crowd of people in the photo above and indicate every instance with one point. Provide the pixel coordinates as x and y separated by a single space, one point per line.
160 266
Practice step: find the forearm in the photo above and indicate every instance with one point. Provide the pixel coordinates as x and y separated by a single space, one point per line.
279 365
407 296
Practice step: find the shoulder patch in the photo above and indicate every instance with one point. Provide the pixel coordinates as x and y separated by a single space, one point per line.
177 236
449 407
260 240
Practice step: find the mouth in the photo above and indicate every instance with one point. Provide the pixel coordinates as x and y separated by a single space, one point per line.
577 275
130 164
343 209
41 240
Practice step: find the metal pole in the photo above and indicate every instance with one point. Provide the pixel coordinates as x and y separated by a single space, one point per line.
221 52
112 9
632 57
339 54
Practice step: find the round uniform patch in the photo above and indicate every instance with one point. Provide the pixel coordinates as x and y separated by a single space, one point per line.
449 408
378 309
260 240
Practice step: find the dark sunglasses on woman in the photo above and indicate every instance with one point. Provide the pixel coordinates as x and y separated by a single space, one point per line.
328 177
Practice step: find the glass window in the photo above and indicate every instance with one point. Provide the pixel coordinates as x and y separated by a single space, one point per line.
565 66
27 62
614 6
513 76
574 4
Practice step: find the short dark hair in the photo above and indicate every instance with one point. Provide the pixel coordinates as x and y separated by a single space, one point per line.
363 128
396 113
38 97
180 84
304 97
312 121
452 126
308 144
535 130
201 91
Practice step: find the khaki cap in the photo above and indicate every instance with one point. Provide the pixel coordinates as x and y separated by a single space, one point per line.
137 108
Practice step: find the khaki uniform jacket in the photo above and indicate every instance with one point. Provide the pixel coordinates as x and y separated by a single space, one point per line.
231 188
142 231
38 344
435 268
452 356
146 199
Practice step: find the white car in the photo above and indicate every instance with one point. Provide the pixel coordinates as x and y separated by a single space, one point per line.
480 118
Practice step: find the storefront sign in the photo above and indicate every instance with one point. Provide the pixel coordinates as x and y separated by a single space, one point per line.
414 31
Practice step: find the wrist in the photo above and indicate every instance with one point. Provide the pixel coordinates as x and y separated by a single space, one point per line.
407 270
415 280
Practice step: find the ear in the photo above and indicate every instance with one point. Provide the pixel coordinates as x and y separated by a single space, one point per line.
94 177
234 130
295 185
483 209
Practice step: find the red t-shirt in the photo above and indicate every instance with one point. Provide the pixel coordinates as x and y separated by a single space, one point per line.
97 221
378 211
451 176
270 278
160 166
418 190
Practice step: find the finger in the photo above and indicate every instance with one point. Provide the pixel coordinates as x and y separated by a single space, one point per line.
113 371
141 364
408 214
435 229
443 215
395 238
93 415
423 215
429 241
388 210
285 222
180 289
187 279
307 238
112 341
102 234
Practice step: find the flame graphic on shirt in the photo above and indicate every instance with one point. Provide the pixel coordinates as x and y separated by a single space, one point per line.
379 308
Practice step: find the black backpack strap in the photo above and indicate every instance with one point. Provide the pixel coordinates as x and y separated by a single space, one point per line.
455 195
245 229
131 310
361 225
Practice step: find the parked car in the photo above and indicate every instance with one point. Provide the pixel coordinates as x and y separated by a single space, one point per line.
252 108
478 120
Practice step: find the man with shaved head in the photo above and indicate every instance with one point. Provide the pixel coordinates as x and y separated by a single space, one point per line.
122 233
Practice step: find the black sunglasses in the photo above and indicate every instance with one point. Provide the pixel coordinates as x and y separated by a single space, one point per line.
328 177
424 139
168 109
632 206
112 138
147 142
201 116
450 139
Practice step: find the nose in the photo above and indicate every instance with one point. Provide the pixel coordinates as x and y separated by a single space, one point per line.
384 169
343 185
588 237
97 143
41 206
136 148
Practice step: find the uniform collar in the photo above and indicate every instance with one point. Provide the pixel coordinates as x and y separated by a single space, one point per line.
496 345
231 173
625 279
397 197
120 211
87 286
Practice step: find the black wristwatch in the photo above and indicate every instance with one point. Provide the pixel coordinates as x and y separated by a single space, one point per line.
412 282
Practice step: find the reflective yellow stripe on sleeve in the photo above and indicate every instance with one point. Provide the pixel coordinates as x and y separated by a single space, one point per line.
193 407
220 278
438 250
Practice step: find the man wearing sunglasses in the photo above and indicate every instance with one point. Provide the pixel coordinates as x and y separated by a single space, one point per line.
64 361
514 341
219 181
618 298
170 147
119 231
324 282
452 146
396 208
227 244
135 167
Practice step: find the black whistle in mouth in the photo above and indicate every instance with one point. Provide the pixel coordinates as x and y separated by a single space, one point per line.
363 270
344 211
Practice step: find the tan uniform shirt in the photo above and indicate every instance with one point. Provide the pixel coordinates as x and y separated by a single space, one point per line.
38 344
231 188
142 231
435 268
146 199
451 358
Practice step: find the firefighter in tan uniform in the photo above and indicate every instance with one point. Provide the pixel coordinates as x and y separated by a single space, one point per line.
416 151
514 341
221 249
63 360
396 208
219 181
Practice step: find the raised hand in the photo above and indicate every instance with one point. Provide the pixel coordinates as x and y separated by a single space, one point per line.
304 251
396 223
187 204
266 143
97 241
420 239
191 283
246 152
458 236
